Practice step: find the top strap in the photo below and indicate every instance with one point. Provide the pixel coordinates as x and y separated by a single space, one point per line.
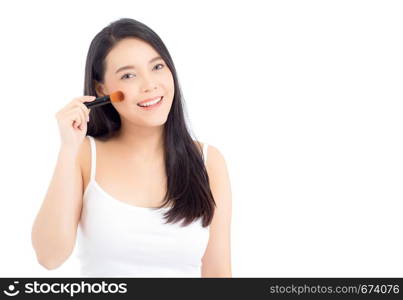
205 152
93 157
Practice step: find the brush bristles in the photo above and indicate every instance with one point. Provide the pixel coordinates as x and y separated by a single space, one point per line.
117 96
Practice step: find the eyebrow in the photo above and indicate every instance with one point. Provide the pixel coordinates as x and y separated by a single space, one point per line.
132 67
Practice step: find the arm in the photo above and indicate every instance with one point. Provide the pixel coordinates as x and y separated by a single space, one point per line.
54 230
216 261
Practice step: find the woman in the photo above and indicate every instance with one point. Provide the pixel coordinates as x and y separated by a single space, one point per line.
138 189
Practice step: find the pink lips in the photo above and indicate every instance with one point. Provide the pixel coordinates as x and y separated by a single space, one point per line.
141 102
151 106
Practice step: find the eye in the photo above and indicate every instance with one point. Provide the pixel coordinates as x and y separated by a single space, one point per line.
162 66
159 65
123 77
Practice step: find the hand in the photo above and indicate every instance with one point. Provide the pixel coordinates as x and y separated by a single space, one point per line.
72 120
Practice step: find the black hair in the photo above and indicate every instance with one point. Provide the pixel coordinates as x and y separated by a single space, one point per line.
188 188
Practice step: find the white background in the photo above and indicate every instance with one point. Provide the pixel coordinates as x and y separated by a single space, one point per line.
303 99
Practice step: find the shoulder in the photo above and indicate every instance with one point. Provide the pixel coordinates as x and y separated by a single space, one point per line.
216 261
216 164
215 158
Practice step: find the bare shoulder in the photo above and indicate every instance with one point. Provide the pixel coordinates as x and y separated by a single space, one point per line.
216 167
215 160
216 261
218 176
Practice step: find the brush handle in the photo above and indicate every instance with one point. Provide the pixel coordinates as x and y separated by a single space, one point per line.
98 102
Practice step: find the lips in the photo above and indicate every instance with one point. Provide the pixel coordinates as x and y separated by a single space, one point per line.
150 107
147 100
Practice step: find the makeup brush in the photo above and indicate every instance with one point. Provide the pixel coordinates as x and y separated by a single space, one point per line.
114 97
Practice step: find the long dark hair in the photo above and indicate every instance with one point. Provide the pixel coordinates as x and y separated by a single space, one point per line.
188 187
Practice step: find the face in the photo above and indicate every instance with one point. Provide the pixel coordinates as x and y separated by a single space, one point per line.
145 77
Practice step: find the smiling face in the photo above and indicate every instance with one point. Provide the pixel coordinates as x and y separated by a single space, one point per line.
136 69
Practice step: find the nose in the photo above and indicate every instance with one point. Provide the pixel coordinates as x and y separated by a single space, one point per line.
148 84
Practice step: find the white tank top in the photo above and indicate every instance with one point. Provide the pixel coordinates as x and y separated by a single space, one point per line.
115 238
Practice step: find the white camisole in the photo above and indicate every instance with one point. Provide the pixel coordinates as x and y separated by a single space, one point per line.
117 239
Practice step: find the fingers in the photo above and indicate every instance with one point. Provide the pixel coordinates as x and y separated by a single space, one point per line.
78 117
85 108
76 112
86 98
86 112
81 113
75 117
79 102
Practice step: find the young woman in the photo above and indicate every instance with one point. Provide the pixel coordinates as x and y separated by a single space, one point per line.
136 187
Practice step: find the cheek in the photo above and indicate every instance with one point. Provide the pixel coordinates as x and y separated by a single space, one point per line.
170 86
171 81
128 90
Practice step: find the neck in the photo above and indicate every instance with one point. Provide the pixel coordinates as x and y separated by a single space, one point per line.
143 143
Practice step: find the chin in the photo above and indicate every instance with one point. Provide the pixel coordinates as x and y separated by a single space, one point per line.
153 123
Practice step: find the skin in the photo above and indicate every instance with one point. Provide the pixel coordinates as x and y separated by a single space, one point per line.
130 166
141 131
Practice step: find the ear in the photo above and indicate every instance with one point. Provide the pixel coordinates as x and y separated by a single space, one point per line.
100 89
